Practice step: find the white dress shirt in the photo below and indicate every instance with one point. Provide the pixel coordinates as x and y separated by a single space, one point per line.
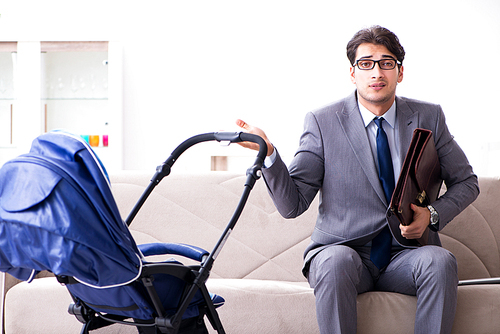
392 133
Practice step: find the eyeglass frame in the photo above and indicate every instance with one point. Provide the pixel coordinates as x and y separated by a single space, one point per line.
398 63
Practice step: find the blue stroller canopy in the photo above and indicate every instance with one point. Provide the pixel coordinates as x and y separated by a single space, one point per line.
57 200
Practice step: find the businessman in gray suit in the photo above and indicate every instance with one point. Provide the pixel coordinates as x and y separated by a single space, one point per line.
341 156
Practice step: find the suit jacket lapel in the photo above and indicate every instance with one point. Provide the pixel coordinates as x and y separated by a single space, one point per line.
407 121
354 129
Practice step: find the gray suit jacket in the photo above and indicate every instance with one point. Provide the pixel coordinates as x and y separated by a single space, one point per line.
334 158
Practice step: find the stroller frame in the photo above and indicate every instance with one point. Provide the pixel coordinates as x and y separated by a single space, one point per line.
195 276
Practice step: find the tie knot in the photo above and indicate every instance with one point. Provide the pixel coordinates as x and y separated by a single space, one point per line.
378 121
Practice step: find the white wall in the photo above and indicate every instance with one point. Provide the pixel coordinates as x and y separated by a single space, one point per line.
195 66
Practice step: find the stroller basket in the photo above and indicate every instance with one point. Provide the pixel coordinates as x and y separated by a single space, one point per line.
58 196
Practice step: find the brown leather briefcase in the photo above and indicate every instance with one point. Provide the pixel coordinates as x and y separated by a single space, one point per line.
420 179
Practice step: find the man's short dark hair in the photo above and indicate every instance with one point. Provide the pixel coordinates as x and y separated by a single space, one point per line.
375 35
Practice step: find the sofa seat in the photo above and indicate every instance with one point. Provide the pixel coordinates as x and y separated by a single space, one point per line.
279 307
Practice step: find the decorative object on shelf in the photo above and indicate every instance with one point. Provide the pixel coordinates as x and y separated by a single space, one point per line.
94 140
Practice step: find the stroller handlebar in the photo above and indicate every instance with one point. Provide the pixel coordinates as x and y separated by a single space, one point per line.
253 173
231 137
238 137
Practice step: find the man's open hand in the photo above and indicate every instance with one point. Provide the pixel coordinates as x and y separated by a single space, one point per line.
256 131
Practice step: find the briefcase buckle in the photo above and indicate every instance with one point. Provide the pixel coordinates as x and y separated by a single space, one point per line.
421 197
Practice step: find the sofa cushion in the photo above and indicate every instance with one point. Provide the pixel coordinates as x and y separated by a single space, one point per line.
265 306
195 209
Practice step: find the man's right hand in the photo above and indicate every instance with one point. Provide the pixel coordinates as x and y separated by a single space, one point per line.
256 131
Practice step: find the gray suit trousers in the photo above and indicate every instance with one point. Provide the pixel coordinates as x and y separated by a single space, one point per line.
339 273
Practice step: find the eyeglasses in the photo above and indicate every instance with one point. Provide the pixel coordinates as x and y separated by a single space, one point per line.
384 64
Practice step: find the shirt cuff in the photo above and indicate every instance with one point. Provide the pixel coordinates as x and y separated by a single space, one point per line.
269 161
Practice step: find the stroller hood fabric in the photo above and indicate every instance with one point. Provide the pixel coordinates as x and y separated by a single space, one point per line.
57 200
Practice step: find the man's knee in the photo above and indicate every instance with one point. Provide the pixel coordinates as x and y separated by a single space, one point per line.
334 264
439 263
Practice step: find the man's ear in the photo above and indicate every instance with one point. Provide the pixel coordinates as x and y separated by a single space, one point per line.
400 74
353 74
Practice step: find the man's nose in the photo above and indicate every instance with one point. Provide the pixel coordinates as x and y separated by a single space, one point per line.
377 72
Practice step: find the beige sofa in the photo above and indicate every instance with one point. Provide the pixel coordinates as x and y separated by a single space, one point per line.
258 271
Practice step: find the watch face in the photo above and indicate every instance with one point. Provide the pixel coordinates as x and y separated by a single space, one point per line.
434 215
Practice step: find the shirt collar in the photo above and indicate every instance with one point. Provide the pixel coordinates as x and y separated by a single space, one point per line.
389 116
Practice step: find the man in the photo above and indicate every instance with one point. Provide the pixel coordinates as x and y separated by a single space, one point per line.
339 157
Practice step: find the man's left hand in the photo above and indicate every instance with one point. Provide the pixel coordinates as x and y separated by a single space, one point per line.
421 219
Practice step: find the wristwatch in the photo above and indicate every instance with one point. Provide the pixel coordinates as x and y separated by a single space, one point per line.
434 223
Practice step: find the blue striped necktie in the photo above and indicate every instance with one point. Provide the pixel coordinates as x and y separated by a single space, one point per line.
381 245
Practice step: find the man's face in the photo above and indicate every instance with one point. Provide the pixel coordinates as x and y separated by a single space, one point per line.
376 87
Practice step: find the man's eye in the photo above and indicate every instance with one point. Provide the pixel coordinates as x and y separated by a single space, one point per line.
365 64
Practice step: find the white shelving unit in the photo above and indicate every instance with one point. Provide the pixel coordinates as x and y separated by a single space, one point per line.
75 86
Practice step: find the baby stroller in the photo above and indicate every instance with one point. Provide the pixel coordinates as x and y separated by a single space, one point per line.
57 213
